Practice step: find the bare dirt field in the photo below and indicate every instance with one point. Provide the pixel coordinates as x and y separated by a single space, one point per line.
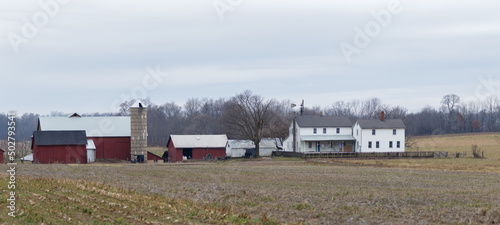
274 191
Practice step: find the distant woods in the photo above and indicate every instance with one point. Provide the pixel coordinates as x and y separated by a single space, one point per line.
273 118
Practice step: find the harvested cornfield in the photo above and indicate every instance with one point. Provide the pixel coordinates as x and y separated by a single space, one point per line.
257 191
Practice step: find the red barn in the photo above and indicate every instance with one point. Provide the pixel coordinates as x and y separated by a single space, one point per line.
196 147
111 135
59 147
1 158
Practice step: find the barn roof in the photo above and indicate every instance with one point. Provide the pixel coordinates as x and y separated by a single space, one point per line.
44 138
199 141
323 121
379 124
112 126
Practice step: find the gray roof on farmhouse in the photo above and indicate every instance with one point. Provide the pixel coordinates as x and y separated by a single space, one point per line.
44 138
379 124
323 121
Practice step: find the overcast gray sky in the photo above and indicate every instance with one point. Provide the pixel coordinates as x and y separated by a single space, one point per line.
85 56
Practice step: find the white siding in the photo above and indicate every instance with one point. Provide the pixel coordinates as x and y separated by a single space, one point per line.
329 131
383 136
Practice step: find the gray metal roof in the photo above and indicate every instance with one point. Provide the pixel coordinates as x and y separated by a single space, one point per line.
44 138
112 126
379 124
199 141
245 144
323 121
327 138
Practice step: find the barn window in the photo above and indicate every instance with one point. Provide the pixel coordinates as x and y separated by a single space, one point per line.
369 144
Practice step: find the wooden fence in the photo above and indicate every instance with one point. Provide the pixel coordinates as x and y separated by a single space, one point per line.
357 155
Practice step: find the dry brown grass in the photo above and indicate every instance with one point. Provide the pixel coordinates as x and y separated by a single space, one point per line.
487 142
302 192
442 164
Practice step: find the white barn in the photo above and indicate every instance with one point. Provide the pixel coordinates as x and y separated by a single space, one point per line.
380 135
238 148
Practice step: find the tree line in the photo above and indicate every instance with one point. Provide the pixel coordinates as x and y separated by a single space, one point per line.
251 116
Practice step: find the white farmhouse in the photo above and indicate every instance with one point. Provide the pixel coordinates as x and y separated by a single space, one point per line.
379 135
320 134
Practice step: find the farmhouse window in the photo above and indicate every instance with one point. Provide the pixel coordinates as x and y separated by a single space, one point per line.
324 130
315 131
390 144
399 144
394 132
378 144
338 130
310 144
369 144
374 132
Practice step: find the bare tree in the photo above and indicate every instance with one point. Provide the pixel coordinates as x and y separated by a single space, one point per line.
449 107
280 119
245 116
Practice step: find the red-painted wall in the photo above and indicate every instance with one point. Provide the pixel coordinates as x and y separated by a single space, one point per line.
112 147
175 155
2 156
60 154
152 156
201 153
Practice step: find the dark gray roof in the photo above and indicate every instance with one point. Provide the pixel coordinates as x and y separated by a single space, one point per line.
323 121
43 138
379 124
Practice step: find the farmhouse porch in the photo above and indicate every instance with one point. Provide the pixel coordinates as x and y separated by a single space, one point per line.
328 143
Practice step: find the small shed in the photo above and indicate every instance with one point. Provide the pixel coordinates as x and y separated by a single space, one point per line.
154 157
28 158
59 147
238 148
90 151
196 147
1 158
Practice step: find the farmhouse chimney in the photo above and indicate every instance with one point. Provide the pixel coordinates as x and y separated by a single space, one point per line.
138 132
382 116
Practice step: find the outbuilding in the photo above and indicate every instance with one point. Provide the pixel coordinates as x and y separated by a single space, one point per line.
110 135
196 147
59 147
153 157
1 158
240 148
